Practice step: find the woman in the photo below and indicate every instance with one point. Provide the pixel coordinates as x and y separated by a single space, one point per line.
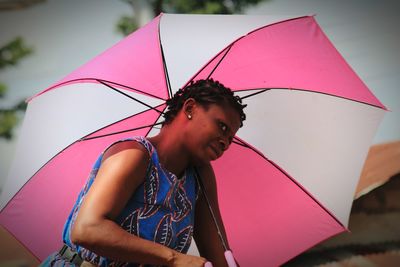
141 203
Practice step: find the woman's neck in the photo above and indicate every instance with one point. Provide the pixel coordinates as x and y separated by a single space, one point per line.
171 152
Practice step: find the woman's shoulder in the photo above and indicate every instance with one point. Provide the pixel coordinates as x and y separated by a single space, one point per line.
135 146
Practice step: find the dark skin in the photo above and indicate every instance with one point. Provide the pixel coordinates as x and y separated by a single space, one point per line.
196 136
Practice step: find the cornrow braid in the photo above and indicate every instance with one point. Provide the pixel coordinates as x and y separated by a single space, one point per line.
204 92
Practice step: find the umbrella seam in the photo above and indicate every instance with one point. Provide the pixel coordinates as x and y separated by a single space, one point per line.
292 179
262 90
92 79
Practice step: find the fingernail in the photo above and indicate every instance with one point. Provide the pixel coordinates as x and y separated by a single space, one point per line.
208 264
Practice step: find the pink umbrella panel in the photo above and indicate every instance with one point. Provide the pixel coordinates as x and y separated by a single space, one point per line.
277 191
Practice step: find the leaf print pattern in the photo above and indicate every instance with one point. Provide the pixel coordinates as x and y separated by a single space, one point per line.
151 186
131 223
149 210
183 239
160 207
182 203
163 234
167 201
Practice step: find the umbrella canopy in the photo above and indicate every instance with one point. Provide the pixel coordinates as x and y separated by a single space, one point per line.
285 184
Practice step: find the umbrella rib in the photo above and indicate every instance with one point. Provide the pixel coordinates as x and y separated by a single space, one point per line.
133 89
168 83
131 97
158 123
256 93
166 71
117 122
219 62
241 143
124 131
237 141
208 77
262 90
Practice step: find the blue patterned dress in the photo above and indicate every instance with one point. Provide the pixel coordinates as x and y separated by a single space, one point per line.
161 210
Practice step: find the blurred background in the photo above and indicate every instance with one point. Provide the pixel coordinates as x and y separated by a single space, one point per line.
41 41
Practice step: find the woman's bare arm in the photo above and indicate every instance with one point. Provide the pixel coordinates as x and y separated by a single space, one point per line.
123 169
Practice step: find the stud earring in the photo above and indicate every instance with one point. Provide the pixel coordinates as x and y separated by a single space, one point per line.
189 116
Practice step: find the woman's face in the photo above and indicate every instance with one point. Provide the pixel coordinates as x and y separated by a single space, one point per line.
211 130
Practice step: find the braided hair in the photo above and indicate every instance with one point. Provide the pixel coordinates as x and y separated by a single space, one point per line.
205 92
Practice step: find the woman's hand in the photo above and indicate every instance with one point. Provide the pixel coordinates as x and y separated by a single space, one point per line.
184 260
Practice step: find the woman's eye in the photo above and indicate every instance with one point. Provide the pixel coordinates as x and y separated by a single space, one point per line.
223 127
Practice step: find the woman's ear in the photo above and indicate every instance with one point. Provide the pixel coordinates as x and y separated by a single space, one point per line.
189 107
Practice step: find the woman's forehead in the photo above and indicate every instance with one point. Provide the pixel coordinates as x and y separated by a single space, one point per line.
227 113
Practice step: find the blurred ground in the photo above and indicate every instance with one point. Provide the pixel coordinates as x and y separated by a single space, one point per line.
12 253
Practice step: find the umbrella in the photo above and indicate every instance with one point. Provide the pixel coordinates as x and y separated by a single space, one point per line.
285 184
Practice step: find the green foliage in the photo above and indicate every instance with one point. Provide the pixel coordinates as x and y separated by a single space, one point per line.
199 7
8 120
10 55
20 106
207 6
127 24
12 52
3 90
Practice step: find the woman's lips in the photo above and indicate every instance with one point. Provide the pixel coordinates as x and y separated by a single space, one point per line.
216 151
